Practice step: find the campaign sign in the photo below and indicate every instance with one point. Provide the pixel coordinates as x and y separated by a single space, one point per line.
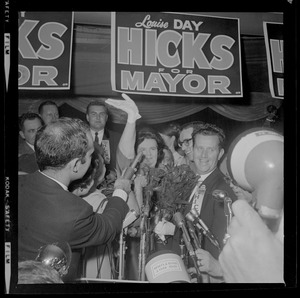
175 54
45 50
273 33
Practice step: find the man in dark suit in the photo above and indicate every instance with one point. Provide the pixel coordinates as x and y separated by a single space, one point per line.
208 149
29 123
97 116
27 163
47 211
208 141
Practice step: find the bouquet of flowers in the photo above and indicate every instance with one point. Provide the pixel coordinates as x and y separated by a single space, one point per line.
172 186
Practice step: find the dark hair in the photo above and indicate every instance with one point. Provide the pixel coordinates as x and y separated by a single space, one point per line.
194 124
28 116
94 171
149 133
166 148
46 103
96 103
170 130
59 142
209 129
35 272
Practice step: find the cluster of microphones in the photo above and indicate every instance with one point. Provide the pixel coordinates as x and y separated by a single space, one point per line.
193 227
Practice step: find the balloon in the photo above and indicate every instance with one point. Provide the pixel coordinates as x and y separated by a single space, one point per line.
255 162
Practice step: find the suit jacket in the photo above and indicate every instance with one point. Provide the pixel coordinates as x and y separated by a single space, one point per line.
27 163
24 148
212 212
47 213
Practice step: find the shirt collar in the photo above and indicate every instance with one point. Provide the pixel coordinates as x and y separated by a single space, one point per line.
31 146
204 176
62 185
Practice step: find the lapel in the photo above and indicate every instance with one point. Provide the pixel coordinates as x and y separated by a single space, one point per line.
24 148
106 134
209 182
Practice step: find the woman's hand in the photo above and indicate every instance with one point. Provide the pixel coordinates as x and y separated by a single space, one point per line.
127 105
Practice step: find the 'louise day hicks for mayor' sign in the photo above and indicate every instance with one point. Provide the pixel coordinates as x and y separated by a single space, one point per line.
273 33
175 54
45 50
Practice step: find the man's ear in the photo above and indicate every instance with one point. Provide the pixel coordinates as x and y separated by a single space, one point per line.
221 154
21 133
87 118
74 164
173 138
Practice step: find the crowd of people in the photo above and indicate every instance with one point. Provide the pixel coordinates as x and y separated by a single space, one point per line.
71 191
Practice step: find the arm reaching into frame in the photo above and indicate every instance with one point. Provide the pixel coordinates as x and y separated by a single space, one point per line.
127 140
252 254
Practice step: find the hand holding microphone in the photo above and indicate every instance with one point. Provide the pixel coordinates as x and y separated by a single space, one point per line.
129 172
207 263
131 216
124 182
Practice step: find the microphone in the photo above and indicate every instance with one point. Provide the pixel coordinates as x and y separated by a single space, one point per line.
193 235
179 221
191 218
194 218
222 196
131 169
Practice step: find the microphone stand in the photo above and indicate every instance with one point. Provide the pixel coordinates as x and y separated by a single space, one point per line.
228 214
182 252
144 227
122 254
203 277
222 196
130 218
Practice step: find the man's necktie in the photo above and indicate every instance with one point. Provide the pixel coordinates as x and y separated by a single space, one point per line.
96 138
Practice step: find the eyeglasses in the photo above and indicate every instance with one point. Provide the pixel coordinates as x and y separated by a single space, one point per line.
95 115
186 142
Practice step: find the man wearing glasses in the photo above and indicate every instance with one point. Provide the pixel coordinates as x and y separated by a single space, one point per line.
185 141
